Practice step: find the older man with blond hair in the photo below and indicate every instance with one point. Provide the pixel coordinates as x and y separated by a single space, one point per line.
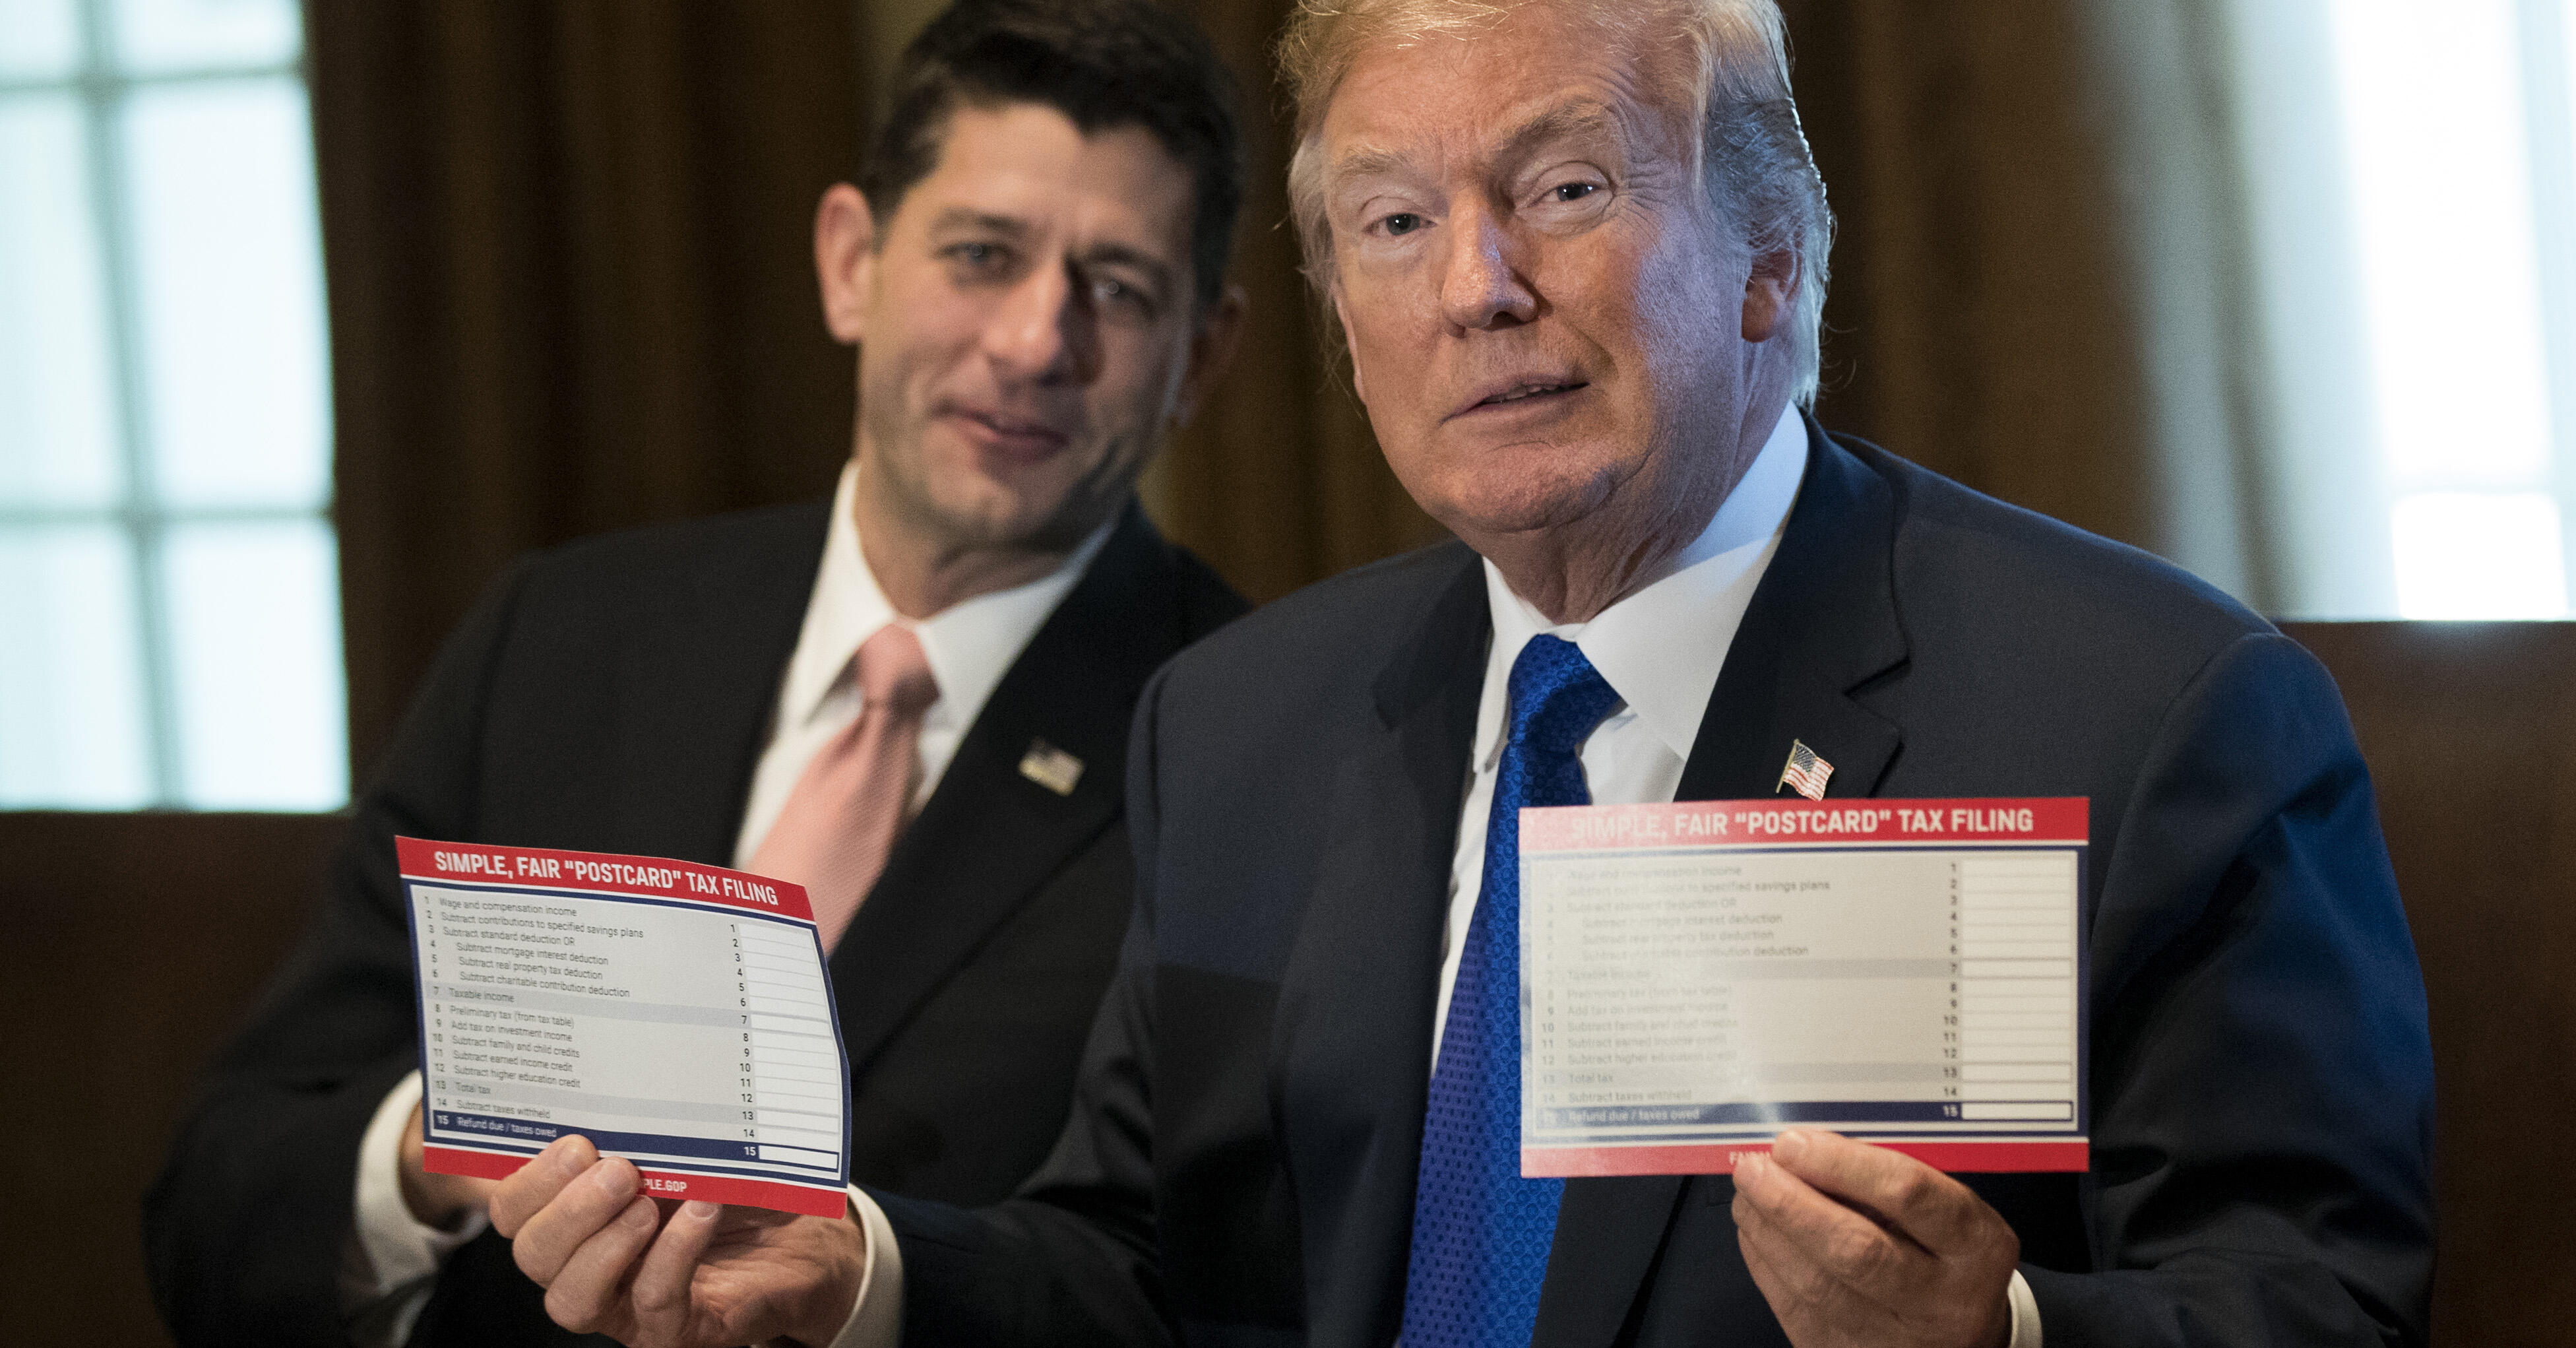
1577 251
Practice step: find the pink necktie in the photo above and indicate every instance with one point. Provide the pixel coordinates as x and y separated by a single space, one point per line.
842 818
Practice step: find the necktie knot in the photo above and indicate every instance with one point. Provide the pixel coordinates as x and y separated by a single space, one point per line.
894 672
1557 696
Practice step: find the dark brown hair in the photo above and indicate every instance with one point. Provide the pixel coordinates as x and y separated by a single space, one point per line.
1104 64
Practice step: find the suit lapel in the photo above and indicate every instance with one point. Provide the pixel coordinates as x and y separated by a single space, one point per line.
1352 1040
697 684
1822 623
989 836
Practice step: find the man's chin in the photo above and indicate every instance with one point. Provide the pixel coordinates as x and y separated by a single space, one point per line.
1003 522
1492 505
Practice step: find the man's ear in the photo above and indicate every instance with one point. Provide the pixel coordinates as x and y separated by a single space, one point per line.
1212 345
1350 344
1767 289
845 255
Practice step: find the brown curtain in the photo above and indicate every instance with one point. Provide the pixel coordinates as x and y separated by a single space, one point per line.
1976 308
571 285
2034 287
1279 483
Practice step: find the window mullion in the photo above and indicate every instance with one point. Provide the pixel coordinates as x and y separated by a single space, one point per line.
108 82
101 101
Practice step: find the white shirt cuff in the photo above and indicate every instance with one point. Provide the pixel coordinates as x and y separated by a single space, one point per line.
877 1320
2025 1313
394 1255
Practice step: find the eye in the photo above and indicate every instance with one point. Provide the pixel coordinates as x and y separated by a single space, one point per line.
1110 292
1401 223
975 255
1574 191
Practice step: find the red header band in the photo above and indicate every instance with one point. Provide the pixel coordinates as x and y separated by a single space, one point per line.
604 872
1753 823
812 1200
1979 1156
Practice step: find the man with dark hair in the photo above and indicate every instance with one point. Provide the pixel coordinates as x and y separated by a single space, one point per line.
914 701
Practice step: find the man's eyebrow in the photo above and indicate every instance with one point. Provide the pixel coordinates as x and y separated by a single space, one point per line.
967 217
1565 121
1368 164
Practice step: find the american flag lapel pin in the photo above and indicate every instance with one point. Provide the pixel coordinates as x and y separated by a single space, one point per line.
1805 772
1051 767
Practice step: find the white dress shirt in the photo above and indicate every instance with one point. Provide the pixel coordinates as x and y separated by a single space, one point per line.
1660 649
387 1273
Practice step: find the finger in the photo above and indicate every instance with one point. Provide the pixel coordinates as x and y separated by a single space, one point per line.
1794 1275
585 1292
547 1241
1812 1305
408 1150
1812 1229
1792 1295
662 1282
524 1194
434 1199
1929 1208
1758 1240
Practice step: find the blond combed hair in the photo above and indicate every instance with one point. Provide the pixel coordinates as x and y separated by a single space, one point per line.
1752 153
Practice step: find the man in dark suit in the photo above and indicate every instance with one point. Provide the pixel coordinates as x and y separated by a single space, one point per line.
1034 276
1578 252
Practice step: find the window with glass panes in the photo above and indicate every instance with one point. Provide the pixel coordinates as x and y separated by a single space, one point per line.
169 602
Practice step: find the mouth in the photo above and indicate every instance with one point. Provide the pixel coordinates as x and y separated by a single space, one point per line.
1019 437
1524 393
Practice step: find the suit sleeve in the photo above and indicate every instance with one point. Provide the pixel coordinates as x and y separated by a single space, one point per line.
1070 1259
245 1228
2262 1072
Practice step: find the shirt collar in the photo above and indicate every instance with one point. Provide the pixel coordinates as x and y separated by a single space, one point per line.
970 644
1660 648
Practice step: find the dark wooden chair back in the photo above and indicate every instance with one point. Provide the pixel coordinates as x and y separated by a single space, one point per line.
2470 730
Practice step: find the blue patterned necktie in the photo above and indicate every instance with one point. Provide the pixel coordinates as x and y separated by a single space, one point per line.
1481 1233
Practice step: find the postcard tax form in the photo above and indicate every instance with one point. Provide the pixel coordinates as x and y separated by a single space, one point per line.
675 1014
1698 976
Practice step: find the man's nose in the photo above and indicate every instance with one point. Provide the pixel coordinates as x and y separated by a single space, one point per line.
1482 286
1044 331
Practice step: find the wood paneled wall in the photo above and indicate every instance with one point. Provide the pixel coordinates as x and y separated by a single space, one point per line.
133 944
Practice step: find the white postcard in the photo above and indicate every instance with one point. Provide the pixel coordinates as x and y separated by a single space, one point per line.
675 1014
1697 976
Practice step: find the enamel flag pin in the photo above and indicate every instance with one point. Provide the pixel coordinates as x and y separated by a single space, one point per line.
1804 771
1056 770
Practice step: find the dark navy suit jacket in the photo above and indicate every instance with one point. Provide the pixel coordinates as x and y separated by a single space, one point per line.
1240 1166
